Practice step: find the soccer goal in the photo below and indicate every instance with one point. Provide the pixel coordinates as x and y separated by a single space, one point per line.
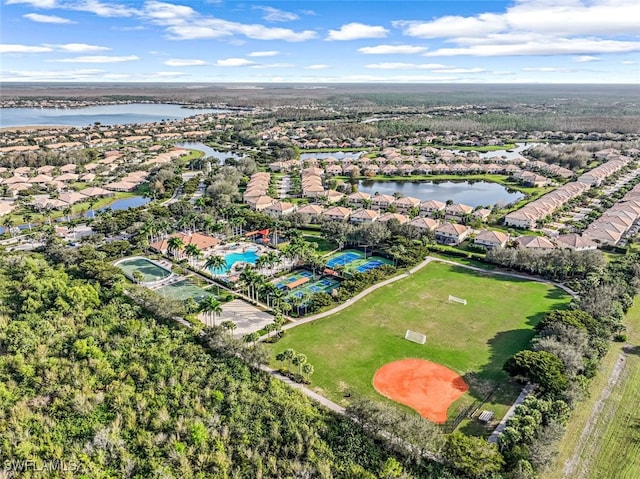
415 337
457 300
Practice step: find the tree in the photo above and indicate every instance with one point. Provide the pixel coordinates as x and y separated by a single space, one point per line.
174 246
138 277
286 355
307 370
472 456
193 253
229 326
390 469
299 360
541 367
211 307
215 264
252 338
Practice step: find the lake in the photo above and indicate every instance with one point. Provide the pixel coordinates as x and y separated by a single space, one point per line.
209 152
123 204
105 114
338 155
472 193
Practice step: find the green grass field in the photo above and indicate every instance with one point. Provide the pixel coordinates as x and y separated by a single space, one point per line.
475 340
612 449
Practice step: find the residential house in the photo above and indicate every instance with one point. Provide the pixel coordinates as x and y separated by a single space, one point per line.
451 233
489 239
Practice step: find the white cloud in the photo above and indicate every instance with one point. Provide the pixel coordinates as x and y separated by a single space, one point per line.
51 75
80 48
551 46
544 69
168 74
168 13
274 15
318 66
355 31
452 26
585 59
216 28
406 66
184 62
98 59
234 62
34 3
571 17
629 62
103 9
392 50
36 17
273 65
268 53
15 48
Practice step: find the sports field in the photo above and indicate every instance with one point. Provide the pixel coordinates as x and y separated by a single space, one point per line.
475 340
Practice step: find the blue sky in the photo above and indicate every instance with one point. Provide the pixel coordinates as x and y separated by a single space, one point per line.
451 41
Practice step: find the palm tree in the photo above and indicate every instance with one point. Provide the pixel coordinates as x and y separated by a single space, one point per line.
307 369
92 202
174 246
214 264
286 355
211 307
193 252
67 212
27 217
299 360
269 328
262 262
252 337
229 326
8 223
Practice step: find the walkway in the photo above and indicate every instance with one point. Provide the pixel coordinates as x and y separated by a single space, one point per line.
512 410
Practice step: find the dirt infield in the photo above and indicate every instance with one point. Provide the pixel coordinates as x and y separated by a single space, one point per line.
427 387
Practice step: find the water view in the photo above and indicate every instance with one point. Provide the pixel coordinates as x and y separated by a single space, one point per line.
209 152
472 193
338 155
123 204
104 114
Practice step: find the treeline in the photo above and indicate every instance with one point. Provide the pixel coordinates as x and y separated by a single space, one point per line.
557 264
563 358
92 379
44 156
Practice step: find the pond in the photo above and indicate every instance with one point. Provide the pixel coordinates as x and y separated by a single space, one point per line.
104 114
123 204
338 155
472 193
209 152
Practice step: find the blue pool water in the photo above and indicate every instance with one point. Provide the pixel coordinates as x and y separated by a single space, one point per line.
248 256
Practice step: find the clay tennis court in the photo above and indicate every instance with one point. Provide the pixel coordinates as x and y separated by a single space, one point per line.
427 387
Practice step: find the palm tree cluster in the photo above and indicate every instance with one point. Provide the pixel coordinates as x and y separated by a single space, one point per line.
305 369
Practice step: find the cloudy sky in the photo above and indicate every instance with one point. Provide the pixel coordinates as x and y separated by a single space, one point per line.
544 41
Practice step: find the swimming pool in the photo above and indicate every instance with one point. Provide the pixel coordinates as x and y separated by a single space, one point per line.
250 256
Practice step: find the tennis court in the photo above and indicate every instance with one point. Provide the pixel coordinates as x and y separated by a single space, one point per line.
371 263
150 270
183 290
292 278
343 259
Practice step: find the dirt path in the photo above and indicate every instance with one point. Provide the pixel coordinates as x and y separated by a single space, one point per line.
575 467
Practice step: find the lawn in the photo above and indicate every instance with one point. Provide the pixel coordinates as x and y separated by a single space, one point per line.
613 447
474 340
